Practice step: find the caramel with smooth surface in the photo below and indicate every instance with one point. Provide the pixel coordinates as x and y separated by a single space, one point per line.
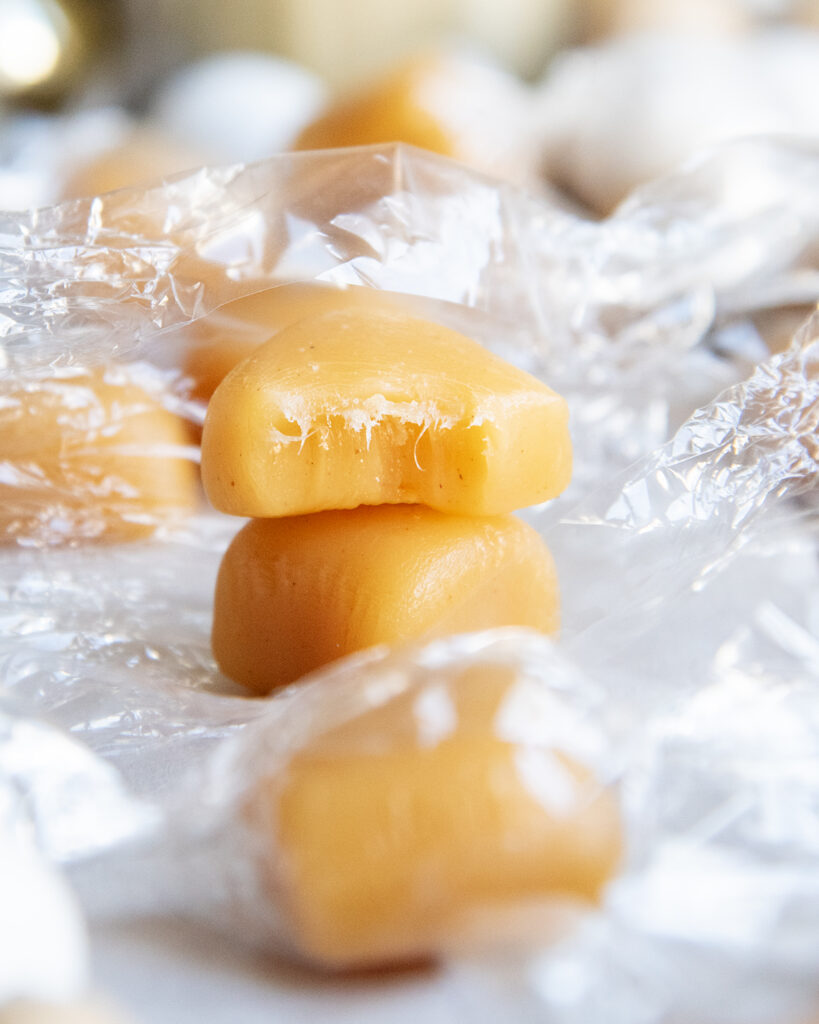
294 594
233 332
93 456
418 828
372 407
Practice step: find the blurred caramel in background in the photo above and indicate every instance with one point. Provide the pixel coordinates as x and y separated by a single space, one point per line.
578 101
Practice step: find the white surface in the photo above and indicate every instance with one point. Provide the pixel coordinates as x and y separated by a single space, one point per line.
42 935
166 973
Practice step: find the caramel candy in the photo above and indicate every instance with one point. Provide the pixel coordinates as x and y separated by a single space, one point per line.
90 456
233 332
294 594
355 407
393 109
141 158
450 104
418 827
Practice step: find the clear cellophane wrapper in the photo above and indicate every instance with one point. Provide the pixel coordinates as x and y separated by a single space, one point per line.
685 678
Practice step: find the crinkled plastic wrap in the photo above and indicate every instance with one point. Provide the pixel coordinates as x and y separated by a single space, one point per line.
684 682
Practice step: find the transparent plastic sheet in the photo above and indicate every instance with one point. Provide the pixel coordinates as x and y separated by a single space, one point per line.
111 643
713 679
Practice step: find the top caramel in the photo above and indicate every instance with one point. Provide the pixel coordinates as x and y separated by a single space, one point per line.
369 407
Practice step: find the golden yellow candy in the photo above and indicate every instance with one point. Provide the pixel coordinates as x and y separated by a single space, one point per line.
417 827
93 456
233 332
294 594
142 158
373 407
445 102
404 106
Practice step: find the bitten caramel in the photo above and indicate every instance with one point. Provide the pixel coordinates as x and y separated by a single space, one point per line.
374 407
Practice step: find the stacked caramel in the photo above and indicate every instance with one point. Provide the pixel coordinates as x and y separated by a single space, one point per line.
379 456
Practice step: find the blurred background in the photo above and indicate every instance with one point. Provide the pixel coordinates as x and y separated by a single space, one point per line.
582 100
